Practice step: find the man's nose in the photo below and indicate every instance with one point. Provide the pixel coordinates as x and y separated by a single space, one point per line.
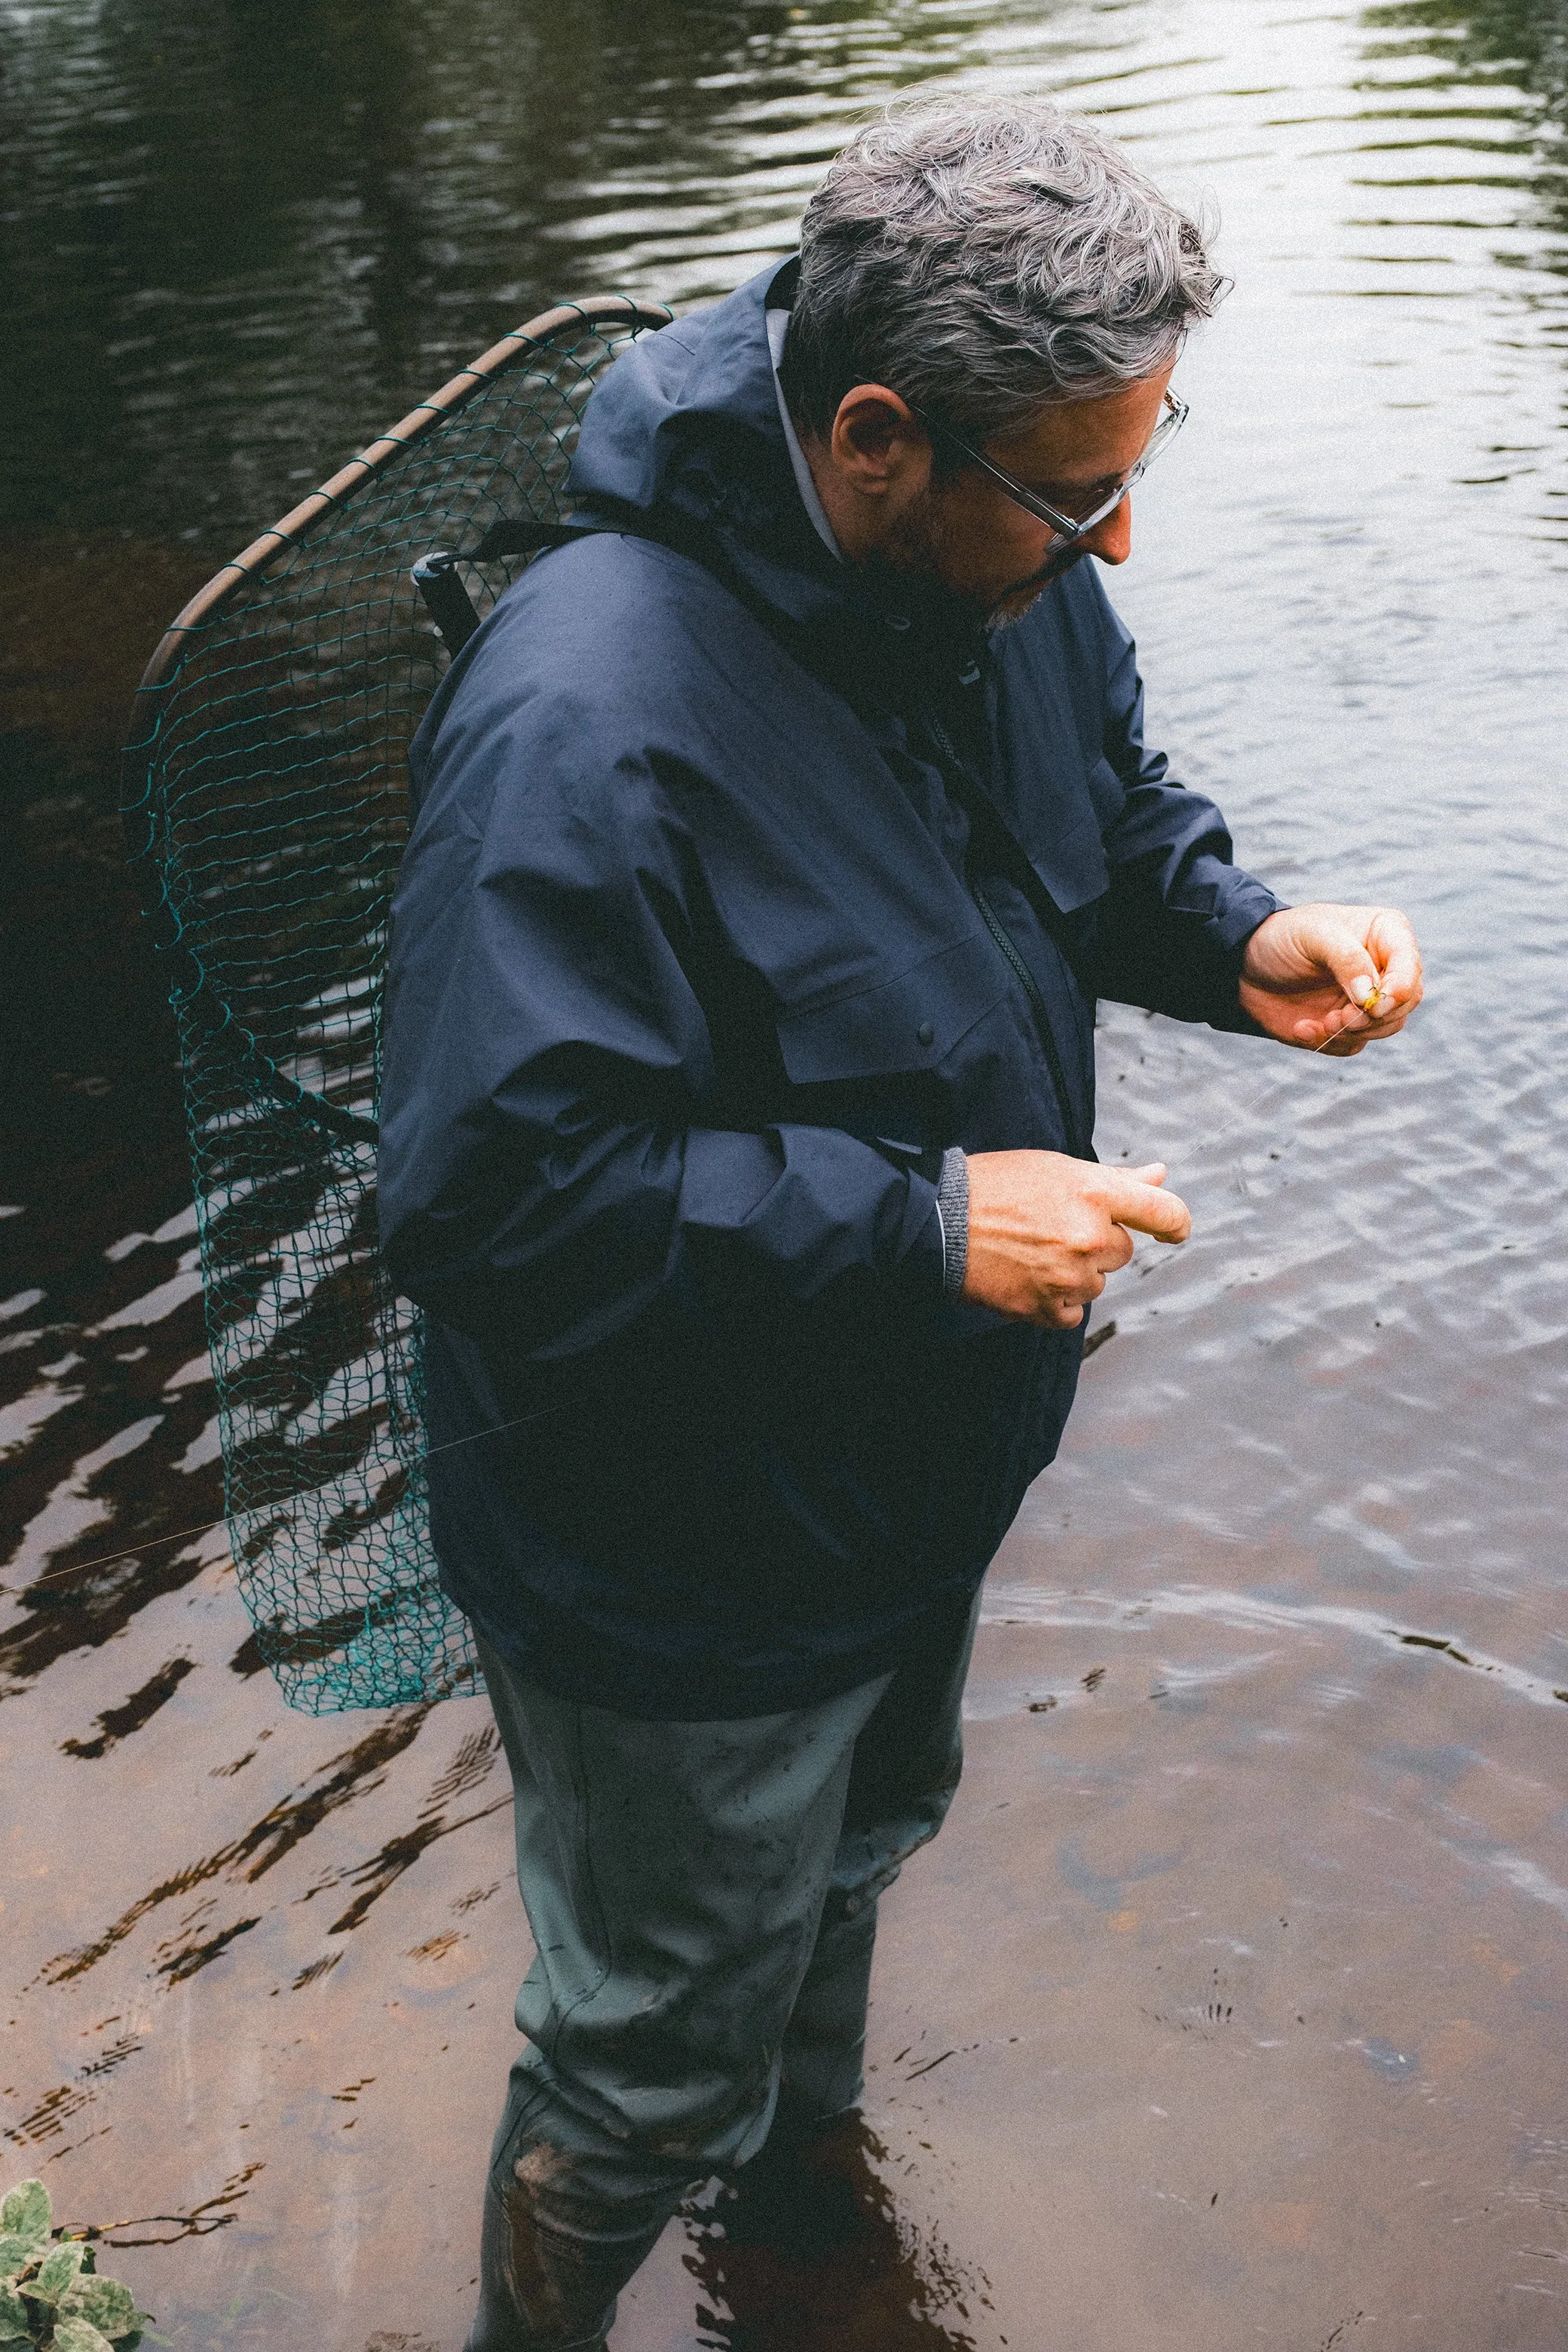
1111 539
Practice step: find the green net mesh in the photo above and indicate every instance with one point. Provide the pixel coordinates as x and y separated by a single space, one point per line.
266 801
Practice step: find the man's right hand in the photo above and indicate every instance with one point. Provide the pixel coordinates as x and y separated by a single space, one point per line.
1045 1229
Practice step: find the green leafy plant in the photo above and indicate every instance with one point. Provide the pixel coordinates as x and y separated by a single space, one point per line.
51 2291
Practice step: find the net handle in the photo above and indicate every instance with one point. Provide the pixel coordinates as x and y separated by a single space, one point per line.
208 601
136 771
138 811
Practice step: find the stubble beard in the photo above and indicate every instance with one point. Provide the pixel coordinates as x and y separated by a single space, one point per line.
922 540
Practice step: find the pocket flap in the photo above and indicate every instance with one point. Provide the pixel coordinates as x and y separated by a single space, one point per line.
1071 863
910 1022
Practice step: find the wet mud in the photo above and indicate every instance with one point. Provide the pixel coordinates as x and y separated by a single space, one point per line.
1228 2009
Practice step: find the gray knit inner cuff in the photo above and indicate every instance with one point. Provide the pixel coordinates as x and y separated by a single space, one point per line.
953 1206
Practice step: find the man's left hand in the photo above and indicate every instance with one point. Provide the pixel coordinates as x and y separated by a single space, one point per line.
1330 979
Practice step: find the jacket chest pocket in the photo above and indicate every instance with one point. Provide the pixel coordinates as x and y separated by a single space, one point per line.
867 1056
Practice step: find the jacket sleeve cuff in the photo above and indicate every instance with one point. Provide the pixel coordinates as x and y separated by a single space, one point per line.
952 1209
1251 907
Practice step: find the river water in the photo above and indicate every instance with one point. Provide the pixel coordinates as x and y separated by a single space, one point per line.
1228 2009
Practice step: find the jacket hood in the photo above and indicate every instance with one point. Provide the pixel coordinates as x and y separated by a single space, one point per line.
703 383
683 436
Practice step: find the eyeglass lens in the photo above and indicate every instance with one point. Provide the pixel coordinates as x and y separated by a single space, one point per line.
1090 510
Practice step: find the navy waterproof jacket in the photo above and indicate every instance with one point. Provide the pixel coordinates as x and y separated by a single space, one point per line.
741 883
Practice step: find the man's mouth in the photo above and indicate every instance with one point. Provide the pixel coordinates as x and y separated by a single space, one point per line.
1056 567
1007 606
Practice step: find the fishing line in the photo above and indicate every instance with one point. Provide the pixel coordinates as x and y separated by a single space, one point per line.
1248 1112
503 1428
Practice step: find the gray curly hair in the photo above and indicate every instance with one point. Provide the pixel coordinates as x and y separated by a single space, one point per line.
985 258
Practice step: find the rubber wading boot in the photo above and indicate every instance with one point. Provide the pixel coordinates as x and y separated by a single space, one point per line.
541 2290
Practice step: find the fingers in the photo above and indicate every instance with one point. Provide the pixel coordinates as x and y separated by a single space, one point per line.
1356 1033
1138 1201
1372 953
1064 1310
1111 1259
1346 951
1316 1035
1344 1031
1353 972
1392 939
1045 1230
1336 1027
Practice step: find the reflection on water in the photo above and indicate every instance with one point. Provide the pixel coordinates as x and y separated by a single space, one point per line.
1521 45
1225 2009
239 245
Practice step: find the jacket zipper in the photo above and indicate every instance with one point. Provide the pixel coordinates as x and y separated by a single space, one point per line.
1031 988
1032 993
1037 1006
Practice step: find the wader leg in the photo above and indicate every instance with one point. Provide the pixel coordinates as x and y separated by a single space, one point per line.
824 2058
908 1761
674 1877
703 1903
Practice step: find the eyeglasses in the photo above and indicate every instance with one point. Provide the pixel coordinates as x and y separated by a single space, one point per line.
1067 526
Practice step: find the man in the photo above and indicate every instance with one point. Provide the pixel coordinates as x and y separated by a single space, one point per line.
773 843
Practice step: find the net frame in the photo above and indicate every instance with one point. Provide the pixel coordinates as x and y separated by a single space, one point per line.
265 805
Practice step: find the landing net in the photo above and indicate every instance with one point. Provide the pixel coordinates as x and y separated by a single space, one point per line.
267 804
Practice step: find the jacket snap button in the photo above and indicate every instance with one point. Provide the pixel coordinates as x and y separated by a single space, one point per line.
926 1034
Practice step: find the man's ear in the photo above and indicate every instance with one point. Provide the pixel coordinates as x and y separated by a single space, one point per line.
877 443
